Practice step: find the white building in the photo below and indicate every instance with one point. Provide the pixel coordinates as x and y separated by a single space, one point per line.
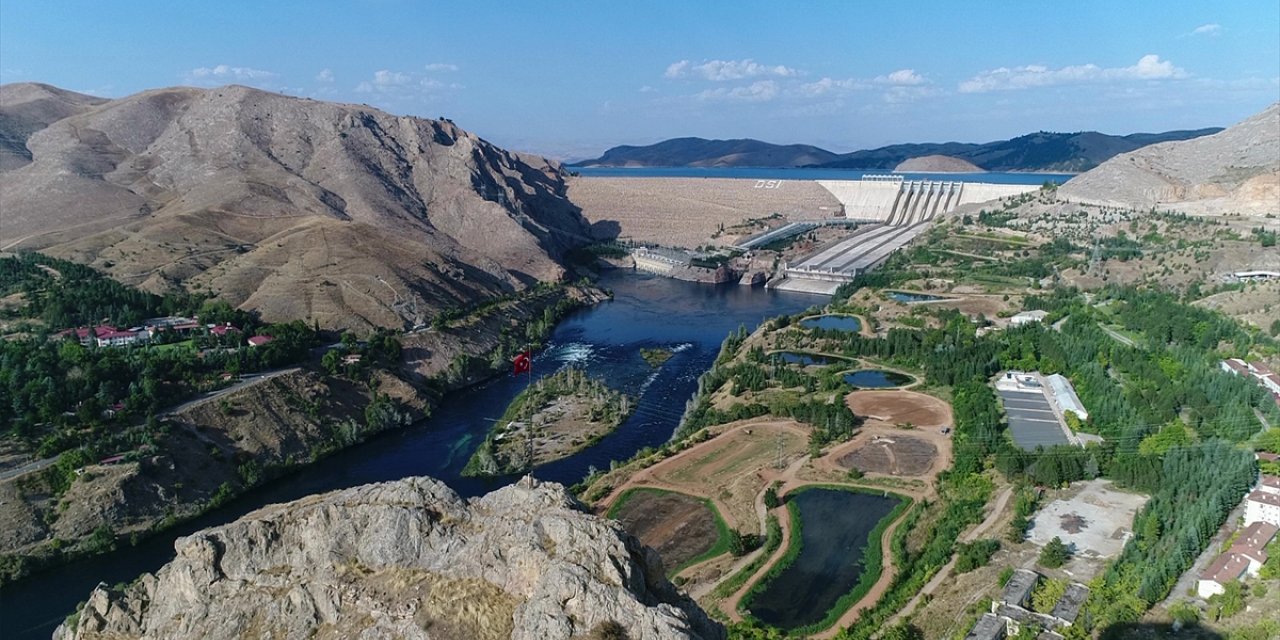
1065 395
1244 559
1028 316
1263 504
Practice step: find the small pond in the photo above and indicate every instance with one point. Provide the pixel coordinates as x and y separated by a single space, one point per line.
806 359
833 322
903 296
877 379
834 529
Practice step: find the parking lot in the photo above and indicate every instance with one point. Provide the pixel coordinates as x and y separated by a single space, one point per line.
1032 422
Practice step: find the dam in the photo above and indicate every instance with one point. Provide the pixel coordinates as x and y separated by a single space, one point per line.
895 211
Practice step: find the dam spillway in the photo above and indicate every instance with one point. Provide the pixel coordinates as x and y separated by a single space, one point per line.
891 199
896 212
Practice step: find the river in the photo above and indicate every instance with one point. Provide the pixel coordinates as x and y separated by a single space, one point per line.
646 311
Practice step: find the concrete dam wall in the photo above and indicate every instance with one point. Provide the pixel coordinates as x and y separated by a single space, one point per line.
898 202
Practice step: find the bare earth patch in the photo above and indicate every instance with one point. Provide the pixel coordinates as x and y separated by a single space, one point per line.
900 407
678 526
892 455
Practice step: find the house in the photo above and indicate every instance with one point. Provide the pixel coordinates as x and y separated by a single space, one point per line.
123 338
1261 373
1027 317
1263 504
223 329
86 335
351 358
258 341
1244 559
1266 456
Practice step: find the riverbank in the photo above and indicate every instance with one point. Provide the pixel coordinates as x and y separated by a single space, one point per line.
212 453
605 339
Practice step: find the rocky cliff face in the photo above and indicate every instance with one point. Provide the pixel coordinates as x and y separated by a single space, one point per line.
404 559
1234 171
337 213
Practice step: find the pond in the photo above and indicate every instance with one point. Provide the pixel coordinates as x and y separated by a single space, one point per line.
833 322
806 359
903 296
877 379
835 527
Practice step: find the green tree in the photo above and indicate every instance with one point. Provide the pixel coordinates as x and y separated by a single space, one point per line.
1055 554
1047 594
771 500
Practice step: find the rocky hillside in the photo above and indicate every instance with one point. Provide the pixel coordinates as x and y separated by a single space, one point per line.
404 559
939 164
336 213
700 152
1234 171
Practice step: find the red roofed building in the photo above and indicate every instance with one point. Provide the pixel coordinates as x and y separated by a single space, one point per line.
223 329
1245 558
123 338
258 341
1228 567
1263 504
86 335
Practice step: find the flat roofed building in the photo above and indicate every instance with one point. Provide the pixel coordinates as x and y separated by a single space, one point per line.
1017 591
1262 505
1069 605
1066 396
988 627
1025 317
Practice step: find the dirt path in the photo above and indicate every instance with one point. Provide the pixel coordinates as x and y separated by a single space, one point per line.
945 572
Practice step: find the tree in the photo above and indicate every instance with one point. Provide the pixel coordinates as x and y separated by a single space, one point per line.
771 500
903 631
1047 594
1055 554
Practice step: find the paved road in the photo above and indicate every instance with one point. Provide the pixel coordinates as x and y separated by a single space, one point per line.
1189 579
1118 336
245 382
30 467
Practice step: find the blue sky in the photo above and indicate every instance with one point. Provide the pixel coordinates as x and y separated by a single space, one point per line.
571 78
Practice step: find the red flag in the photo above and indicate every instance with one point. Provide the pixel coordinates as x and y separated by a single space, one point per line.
522 364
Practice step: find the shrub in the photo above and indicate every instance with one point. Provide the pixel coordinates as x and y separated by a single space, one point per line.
1055 554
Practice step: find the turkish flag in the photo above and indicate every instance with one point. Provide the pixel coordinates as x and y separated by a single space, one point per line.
522 363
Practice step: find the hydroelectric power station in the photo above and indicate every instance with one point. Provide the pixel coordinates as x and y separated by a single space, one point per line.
895 211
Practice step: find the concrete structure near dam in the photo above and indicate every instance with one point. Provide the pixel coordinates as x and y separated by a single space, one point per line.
896 210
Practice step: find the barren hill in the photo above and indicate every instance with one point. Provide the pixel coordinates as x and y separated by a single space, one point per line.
938 163
29 107
1236 170
302 209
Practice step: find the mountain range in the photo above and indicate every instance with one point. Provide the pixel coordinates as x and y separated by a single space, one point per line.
335 213
1041 151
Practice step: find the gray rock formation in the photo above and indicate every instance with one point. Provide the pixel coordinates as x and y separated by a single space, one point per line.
1236 170
404 559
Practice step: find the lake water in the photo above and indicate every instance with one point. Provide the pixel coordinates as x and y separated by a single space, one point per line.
647 311
833 322
834 530
877 379
763 173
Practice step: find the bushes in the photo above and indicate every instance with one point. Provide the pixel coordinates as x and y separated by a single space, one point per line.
972 555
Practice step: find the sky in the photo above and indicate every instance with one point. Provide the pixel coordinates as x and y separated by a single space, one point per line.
569 79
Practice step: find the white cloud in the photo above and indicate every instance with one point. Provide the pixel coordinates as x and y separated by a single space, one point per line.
827 86
405 85
647 89
1149 67
902 78
725 70
228 72
388 78
441 66
758 91
1211 29
325 75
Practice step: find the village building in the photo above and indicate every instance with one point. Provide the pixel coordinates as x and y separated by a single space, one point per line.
258 341
1027 317
1011 612
1263 503
1243 560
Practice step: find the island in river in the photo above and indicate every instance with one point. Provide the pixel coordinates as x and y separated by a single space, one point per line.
556 417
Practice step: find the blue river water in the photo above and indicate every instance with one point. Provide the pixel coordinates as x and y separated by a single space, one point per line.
764 173
647 311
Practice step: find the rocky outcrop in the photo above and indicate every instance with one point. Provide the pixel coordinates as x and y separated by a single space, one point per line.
404 559
938 164
1234 171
